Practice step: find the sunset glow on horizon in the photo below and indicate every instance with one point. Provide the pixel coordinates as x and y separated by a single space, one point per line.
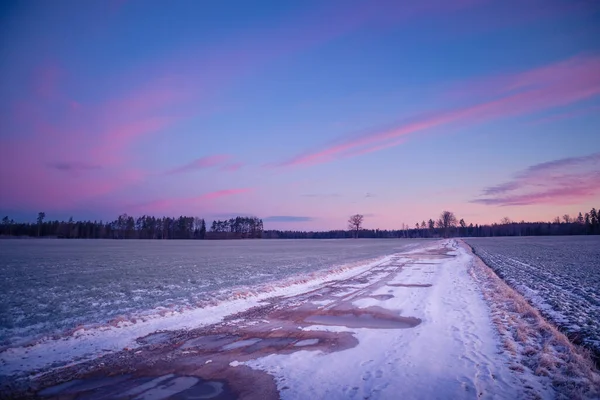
301 113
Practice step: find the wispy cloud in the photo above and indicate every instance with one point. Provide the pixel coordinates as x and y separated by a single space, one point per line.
321 195
232 167
184 203
287 218
52 126
201 163
73 166
497 97
563 181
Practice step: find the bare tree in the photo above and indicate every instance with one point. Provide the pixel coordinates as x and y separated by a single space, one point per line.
567 219
447 221
355 223
505 221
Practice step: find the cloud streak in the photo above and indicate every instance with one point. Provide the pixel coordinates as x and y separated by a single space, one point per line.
564 181
321 195
52 128
173 204
232 167
540 89
73 166
201 163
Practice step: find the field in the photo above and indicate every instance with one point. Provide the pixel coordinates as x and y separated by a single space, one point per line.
368 330
560 276
52 287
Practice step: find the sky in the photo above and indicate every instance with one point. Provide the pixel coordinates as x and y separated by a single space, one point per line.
300 112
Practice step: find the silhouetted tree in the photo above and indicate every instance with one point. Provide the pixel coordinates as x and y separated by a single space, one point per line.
446 222
355 223
505 221
40 220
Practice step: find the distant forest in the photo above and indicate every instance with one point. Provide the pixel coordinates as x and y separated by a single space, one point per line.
447 225
144 227
148 227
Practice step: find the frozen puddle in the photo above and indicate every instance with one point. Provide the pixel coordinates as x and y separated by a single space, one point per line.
209 342
372 317
381 297
240 344
168 386
307 342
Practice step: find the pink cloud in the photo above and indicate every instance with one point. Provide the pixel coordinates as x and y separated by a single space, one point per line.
564 181
75 152
232 167
201 163
222 193
532 91
172 204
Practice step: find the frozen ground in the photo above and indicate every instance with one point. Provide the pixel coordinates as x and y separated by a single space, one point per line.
452 352
86 343
413 325
559 275
55 287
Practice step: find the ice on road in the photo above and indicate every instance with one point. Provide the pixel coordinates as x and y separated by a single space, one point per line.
453 352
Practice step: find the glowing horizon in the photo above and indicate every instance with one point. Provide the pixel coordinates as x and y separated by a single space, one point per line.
301 114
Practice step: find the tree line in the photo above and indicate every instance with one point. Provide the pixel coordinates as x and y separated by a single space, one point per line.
183 227
448 225
129 227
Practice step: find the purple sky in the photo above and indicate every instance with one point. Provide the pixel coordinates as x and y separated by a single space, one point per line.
301 113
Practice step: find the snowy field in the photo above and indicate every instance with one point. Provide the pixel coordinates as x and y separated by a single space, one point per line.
72 300
53 287
413 325
560 276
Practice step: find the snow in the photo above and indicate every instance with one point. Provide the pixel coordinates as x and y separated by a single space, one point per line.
86 344
417 324
560 276
452 353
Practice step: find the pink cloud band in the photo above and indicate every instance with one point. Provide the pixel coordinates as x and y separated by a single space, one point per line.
563 181
551 86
